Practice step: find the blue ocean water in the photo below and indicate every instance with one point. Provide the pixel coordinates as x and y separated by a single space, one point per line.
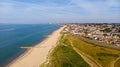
13 36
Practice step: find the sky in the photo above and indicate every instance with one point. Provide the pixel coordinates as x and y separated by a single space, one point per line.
59 11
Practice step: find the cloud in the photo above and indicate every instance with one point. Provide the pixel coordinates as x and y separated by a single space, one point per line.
29 11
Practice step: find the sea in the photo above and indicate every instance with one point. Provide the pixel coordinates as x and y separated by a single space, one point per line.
14 36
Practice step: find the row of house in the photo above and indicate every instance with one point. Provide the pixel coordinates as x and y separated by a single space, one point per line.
107 33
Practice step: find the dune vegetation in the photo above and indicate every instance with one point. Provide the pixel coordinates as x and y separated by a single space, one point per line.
73 52
64 56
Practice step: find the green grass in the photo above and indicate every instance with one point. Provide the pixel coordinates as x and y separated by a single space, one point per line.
117 64
106 54
64 56
102 55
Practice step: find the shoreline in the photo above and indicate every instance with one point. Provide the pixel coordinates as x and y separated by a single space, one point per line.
26 51
30 53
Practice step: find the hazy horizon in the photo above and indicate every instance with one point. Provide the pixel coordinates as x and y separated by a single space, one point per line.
59 11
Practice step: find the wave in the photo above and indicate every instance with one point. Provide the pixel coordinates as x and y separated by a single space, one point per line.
10 29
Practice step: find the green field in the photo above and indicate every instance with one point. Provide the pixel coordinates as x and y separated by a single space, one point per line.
117 64
103 56
65 56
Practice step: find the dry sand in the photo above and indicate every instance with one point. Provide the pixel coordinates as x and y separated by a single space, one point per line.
38 54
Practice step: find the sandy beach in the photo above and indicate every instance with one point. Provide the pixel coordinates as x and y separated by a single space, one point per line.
38 54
